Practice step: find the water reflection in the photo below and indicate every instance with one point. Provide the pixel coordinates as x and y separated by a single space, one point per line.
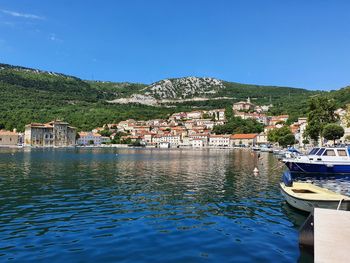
143 205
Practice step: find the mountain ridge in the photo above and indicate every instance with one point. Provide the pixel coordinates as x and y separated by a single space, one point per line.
37 95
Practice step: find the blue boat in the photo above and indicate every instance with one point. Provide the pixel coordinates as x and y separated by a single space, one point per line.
320 160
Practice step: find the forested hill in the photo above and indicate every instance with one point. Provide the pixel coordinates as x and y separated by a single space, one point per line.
31 95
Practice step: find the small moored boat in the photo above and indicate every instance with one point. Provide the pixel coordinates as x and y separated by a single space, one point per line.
306 196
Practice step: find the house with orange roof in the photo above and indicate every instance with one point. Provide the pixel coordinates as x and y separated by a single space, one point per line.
276 119
248 139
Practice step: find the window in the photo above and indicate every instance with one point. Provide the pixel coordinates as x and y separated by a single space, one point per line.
313 151
342 153
320 152
329 153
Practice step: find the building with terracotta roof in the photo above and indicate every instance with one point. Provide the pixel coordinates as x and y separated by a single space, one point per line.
247 139
89 138
9 138
54 133
243 105
278 119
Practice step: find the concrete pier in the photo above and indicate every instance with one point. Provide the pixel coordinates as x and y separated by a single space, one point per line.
331 235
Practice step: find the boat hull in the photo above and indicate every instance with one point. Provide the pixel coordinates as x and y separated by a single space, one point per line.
309 205
299 167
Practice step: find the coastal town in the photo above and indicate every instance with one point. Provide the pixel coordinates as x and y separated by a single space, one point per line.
183 129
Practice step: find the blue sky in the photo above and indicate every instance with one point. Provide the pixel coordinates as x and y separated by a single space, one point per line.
294 43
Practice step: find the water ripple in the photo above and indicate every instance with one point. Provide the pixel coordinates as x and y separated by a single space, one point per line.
144 205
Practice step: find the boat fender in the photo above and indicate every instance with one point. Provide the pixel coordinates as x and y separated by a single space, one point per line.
287 179
306 233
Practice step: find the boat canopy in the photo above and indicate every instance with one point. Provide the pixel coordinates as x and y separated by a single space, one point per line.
323 151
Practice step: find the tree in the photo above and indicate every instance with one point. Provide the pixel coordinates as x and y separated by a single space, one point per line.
286 140
238 125
275 134
333 132
321 112
306 141
229 114
105 133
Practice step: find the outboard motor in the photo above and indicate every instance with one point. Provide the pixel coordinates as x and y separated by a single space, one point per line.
287 179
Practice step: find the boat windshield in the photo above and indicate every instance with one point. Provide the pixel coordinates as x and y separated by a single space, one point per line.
321 151
341 152
329 152
313 151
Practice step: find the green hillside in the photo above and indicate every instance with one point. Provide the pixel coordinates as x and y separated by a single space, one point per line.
32 96
29 95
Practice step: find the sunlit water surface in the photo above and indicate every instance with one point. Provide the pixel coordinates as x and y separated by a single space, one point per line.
144 205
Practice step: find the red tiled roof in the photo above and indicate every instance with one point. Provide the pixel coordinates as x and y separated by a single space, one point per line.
244 136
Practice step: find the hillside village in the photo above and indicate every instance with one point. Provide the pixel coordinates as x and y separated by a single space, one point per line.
182 129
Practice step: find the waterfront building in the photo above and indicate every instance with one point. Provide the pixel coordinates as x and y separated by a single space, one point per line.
261 138
173 140
89 138
248 139
201 136
197 143
219 140
9 138
54 133
105 139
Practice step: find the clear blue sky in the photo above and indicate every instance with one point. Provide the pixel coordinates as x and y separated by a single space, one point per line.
299 43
